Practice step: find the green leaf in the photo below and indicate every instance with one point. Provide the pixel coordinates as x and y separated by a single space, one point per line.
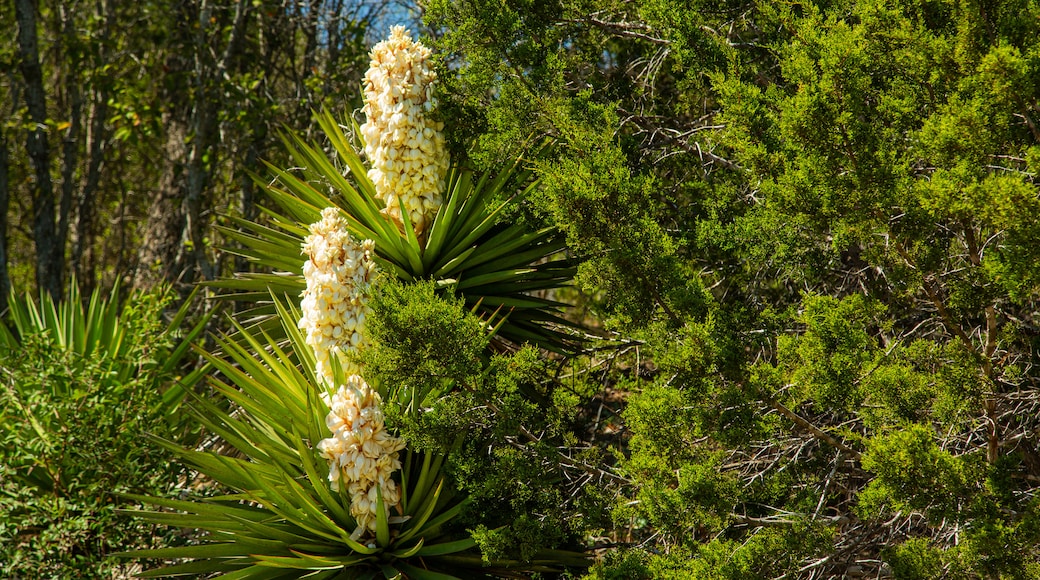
441 548
415 573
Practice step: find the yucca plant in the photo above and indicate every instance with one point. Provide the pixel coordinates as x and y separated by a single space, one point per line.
468 243
280 517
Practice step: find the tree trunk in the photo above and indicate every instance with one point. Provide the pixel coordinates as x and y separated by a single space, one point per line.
157 257
83 240
160 257
49 247
70 146
5 279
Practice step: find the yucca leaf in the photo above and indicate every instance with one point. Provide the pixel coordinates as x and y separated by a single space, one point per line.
442 548
478 224
357 169
213 509
415 573
414 251
475 265
293 201
265 241
286 234
317 163
257 572
272 530
320 485
425 509
452 265
303 561
194 569
428 473
299 496
270 496
457 181
264 284
442 518
409 551
506 241
215 550
382 525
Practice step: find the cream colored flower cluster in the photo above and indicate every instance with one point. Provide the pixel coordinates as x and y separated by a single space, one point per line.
338 272
362 455
405 147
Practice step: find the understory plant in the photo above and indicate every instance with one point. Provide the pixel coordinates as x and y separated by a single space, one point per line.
83 381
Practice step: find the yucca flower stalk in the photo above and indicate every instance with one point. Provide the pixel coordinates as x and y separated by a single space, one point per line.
338 272
403 143
362 454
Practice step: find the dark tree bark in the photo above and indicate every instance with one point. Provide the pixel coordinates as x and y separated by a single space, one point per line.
83 240
173 248
70 140
5 279
49 244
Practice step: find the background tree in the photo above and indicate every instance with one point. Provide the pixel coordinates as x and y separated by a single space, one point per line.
146 117
48 236
815 218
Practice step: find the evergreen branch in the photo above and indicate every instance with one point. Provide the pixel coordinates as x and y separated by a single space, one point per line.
813 429
993 427
936 301
622 29
563 458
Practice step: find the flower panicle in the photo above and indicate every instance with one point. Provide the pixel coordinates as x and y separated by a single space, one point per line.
362 454
339 272
404 145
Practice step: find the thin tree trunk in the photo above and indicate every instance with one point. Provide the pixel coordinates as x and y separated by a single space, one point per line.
49 250
158 256
70 153
83 240
5 279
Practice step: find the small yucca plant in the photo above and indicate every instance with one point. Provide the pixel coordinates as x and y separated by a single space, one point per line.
429 218
280 517
96 332
81 381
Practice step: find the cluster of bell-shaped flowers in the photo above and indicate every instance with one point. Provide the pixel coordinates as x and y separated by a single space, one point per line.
403 143
362 454
339 272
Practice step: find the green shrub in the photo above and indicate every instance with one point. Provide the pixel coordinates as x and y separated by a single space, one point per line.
81 388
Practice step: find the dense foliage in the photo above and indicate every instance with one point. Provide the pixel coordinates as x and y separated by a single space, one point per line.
82 388
820 218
